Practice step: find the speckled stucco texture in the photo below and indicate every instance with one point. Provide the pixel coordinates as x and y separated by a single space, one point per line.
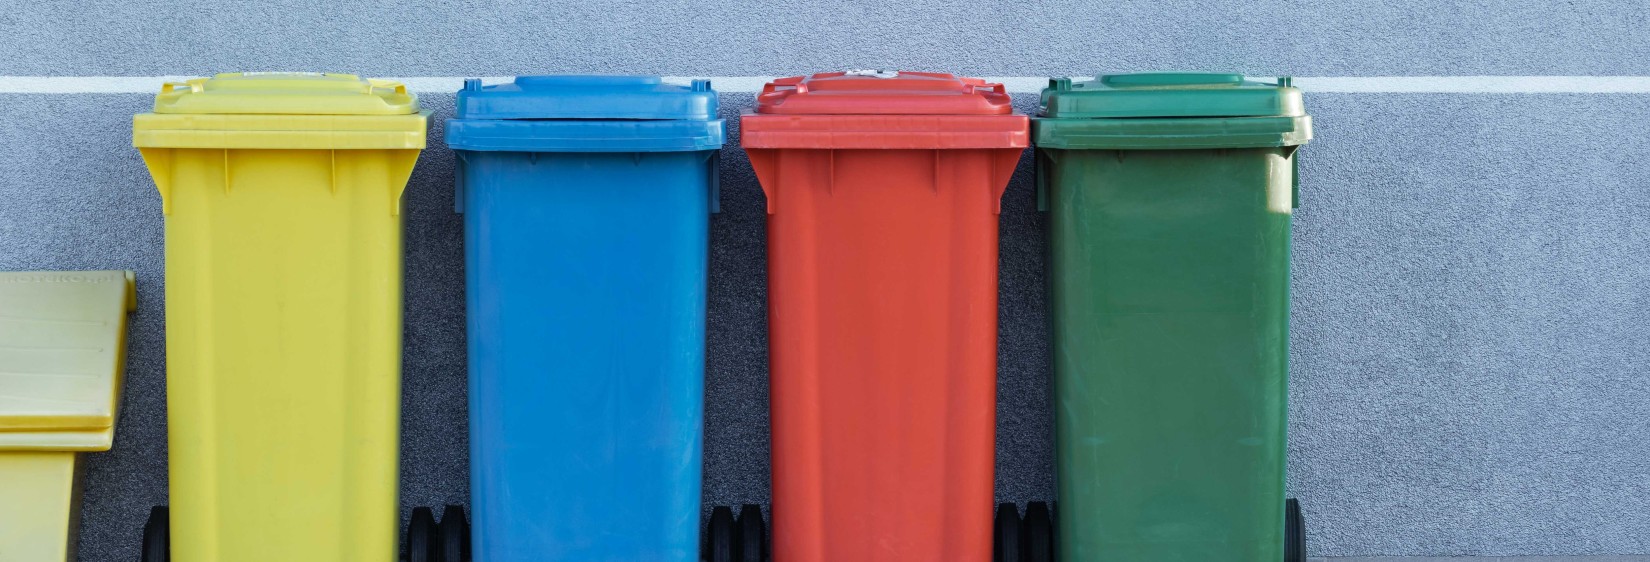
764 37
1471 360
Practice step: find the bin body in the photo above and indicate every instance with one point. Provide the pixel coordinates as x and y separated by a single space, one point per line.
586 205
62 364
1169 288
882 265
283 305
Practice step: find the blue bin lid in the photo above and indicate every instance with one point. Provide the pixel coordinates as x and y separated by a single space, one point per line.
586 114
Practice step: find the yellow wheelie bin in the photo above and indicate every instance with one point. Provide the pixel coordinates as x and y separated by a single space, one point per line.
62 361
282 195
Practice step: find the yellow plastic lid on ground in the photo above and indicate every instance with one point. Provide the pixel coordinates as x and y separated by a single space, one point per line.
62 358
61 355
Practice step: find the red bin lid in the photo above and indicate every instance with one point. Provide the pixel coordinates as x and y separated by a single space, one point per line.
869 109
871 92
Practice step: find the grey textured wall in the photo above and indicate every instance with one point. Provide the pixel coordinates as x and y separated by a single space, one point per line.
1471 363
762 37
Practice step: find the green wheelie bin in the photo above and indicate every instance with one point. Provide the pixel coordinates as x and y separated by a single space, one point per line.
1170 198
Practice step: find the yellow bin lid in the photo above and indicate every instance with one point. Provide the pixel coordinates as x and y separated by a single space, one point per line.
286 93
62 353
283 110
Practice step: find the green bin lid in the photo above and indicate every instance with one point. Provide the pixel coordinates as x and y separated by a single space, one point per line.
1170 95
1171 110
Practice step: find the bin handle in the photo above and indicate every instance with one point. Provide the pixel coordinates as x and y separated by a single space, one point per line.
375 83
771 88
989 89
715 181
195 86
793 83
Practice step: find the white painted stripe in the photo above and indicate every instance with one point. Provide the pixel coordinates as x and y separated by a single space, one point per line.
728 84
1479 84
84 84
1016 84
445 84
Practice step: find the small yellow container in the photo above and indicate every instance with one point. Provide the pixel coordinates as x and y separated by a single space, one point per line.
282 195
62 359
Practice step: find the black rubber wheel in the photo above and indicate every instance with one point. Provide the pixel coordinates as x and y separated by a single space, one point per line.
1038 540
453 542
157 535
421 535
1005 533
753 534
720 544
1294 532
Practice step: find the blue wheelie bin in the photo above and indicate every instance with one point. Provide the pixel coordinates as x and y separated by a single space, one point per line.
586 203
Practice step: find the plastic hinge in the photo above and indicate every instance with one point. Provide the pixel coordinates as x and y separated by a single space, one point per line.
715 179
793 83
988 88
1040 179
1295 182
374 83
458 179
195 86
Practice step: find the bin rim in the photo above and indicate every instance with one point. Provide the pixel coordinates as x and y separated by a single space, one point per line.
1171 133
585 135
265 131
889 132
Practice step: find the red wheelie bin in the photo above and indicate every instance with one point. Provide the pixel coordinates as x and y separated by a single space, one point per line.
883 192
